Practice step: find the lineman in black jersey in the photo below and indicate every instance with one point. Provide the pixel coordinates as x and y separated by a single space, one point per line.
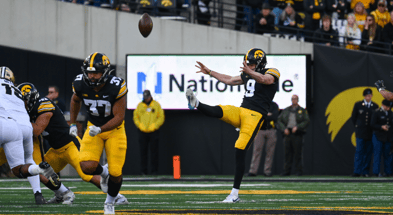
48 120
104 98
260 84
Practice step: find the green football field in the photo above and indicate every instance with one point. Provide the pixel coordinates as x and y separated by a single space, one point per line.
203 195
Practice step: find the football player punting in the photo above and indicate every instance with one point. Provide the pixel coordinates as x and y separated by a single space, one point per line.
16 139
260 84
48 121
104 98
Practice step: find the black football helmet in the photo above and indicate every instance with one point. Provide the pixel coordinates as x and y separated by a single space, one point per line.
30 94
256 56
6 73
96 63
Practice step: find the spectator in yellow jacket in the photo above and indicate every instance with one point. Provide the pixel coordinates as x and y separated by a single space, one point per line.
381 14
148 118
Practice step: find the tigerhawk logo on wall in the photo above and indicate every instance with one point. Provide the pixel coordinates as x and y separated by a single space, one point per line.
339 110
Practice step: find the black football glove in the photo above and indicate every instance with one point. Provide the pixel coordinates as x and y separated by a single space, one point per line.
379 84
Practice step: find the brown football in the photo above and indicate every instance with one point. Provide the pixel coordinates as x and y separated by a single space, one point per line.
145 25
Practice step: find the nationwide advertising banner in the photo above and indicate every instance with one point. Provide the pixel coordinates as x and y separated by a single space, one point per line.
168 77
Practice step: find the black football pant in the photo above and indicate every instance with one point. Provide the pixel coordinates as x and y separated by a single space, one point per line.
146 139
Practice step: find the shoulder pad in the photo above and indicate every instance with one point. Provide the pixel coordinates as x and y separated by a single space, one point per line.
45 105
274 72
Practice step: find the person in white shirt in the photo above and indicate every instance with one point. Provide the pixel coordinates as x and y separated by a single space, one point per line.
350 34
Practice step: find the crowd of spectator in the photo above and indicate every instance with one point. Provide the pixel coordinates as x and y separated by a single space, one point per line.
356 24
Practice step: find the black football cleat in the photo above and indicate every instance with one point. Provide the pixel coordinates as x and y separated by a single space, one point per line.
39 199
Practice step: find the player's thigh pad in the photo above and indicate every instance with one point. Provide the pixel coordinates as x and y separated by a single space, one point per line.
231 115
251 122
91 147
116 148
71 156
37 152
11 140
27 132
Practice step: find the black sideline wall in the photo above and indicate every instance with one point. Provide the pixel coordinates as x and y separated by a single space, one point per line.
206 145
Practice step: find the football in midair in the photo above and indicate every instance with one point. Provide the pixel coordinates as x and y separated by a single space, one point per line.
145 25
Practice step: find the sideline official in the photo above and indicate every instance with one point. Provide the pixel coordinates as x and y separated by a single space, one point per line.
148 118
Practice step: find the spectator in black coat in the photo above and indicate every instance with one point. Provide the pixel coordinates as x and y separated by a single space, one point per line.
290 21
337 6
387 33
203 12
264 21
371 35
326 35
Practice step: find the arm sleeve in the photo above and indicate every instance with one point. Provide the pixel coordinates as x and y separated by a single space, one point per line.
160 116
137 120
374 123
303 125
280 123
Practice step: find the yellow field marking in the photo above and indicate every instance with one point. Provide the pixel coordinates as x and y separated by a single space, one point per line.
252 192
203 211
350 208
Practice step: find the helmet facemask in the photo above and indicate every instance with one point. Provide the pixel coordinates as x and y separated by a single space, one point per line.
6 73
30 95
96 63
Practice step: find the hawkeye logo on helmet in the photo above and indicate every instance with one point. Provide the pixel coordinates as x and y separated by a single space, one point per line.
26 89
105 60
258 54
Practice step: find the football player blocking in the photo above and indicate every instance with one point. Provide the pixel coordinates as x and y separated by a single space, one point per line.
260 85
104 97
46 116
16 140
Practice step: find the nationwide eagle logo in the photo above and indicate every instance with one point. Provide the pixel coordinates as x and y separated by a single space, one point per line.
339 110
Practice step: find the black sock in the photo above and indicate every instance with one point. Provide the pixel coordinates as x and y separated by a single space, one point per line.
213 111
98 170
114 188
240 167
51 187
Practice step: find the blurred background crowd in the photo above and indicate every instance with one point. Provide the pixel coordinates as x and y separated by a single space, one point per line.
352 24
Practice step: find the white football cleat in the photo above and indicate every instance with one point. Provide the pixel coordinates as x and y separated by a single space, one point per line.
109 208
121 200
68 197
49 173
104 181
231 199
192 100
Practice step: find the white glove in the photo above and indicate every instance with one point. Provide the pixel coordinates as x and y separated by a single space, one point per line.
73 130
94 130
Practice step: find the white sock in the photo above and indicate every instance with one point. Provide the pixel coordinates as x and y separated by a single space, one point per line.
197 103
35 183
62 189
110 199
105 171
235 192
34 169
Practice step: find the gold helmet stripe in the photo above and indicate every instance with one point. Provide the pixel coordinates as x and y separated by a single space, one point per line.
92 59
